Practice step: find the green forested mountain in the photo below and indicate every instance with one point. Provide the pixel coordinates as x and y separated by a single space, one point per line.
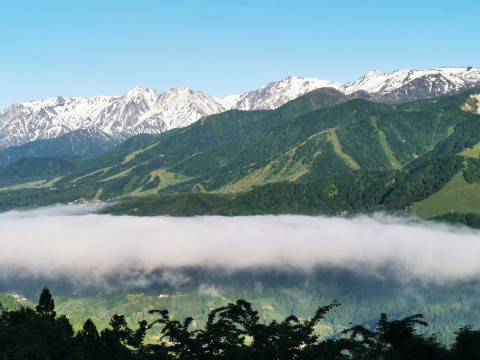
353 191
82 142
321 153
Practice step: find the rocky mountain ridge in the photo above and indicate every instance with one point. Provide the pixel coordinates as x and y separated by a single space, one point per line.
143 110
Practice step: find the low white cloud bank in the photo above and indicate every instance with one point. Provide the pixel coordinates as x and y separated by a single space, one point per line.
65 241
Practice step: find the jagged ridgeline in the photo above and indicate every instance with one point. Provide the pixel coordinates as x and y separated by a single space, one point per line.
323 153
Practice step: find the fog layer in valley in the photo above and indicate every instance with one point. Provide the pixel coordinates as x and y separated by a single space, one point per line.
67 241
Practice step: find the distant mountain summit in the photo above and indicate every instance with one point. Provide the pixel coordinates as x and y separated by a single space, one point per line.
276 93
407 85
143 110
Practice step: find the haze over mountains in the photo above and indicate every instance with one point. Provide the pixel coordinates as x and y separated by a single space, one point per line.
143 110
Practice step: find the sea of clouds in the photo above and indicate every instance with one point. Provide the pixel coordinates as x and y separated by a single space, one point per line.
70 241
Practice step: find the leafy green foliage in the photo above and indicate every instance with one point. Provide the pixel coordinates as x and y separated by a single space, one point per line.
465 135
424 180
232 331
152 184
173 205
46 305
8 303
360 140
472 172
467 344
413 133
26 334
471 220
395 339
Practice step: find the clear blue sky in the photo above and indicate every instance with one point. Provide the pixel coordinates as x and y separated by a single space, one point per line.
86 48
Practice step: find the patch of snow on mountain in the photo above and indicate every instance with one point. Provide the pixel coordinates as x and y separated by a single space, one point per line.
228 102
277 93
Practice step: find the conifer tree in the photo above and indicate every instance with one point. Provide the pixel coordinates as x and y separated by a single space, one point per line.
46 305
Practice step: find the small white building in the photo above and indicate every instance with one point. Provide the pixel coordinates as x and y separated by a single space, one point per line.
18 297
161 296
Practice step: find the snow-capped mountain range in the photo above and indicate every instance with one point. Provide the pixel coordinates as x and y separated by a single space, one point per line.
143 110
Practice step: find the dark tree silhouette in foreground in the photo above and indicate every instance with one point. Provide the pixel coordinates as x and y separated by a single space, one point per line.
232 332
46 305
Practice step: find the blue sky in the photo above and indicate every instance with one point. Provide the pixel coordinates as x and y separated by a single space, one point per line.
86 48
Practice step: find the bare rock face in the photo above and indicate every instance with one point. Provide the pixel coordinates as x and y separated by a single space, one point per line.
143 110
138 111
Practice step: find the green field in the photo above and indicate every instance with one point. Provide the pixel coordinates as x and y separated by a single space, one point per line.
456 196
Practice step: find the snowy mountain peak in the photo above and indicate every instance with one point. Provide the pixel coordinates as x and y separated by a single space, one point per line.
374 73
292 79
182 90
142 110
136 91
277 93
140 92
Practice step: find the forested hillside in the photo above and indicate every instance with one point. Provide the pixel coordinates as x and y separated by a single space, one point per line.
323 153
82 142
